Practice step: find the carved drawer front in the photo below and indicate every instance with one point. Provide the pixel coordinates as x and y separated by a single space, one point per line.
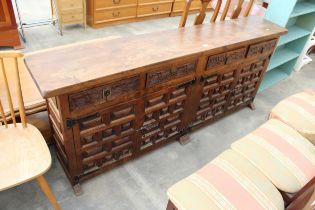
163 115
225 58
216 91
247 83
169 73
107 137
104 93
257 49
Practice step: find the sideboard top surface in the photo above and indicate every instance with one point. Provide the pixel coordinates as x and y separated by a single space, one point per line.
60 70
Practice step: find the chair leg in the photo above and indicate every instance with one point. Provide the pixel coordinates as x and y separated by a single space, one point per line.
47 191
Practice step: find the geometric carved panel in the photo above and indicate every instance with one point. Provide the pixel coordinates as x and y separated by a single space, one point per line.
215 95
247 84
163 115
107 136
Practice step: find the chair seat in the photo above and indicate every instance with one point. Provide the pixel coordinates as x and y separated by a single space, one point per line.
228 182
298 111
24 155
281 153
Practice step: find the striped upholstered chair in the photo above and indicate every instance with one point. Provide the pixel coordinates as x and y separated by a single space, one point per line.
284 156
228 182
298 111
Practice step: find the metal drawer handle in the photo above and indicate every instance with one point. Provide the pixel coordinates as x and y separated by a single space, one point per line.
116 1
155 9
116 14
106 93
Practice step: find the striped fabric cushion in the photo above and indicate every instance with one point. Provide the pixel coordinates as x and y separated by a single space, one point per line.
310 91
281 153
298 111
228 182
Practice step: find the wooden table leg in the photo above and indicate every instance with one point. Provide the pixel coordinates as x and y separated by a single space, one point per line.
47 191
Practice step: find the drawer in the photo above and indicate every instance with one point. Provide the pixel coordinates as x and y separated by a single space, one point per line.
226 58
73 11
152 1
68 4
103 4
168 73
154 9
115 14
70 18
104 93
179 6
259 48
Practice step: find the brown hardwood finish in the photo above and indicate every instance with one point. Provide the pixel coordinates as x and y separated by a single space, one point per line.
145 49
112 101
8 27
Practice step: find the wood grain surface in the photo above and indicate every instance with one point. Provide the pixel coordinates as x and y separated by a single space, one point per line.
102 61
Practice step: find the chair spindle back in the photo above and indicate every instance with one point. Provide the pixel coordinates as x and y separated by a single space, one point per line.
202 12
12 56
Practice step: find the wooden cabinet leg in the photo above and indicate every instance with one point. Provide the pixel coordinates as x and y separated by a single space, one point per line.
185 139
252 106
47 191
77 189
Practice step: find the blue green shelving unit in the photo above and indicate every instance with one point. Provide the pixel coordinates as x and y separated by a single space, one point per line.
298 16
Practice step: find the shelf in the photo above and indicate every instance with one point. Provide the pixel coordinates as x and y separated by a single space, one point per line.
271 78
295 33
302 8
281 56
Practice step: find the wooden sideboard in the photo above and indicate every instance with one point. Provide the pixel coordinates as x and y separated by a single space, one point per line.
103 12
112 101
9 35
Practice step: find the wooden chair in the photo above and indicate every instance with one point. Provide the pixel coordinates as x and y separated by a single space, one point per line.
33 101
24 154
202 13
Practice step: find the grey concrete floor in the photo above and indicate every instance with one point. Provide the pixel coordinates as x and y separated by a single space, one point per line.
141 184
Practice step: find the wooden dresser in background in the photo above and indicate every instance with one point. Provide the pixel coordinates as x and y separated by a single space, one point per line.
9 34
103 12
70 12
135 95
108 12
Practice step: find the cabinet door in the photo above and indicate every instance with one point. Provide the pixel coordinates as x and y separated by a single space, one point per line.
164 115
107 137
248 81
215 94
5 13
